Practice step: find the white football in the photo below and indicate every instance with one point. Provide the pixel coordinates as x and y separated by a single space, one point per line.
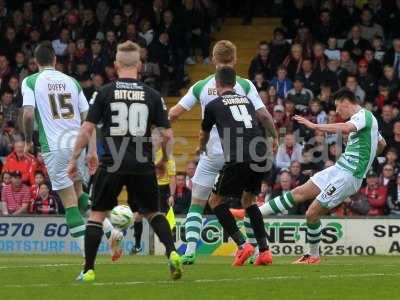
121 217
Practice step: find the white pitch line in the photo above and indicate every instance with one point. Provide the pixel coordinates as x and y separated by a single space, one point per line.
200 281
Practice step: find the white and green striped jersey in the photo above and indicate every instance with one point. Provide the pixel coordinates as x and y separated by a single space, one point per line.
362 144
58 101
204 91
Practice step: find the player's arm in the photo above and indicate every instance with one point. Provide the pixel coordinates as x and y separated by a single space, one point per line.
28 117
345 128
185 104
164 126
206 126
381 145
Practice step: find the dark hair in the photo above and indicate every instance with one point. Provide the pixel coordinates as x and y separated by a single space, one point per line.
38 172
226 76
44 54
345 94
263 43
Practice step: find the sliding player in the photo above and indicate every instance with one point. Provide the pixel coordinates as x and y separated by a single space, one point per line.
330 187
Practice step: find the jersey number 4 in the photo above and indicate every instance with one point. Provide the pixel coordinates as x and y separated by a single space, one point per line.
241 114
132 118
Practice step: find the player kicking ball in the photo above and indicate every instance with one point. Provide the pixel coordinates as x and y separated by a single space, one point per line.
58 104
128 109
330 187
210 163
245 163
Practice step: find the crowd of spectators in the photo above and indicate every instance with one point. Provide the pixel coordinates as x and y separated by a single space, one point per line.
323 47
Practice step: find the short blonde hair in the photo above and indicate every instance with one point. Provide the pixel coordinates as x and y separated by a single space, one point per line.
128 54
224 52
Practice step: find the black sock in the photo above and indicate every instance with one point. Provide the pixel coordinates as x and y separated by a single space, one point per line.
228 222
257 223
138 228
161 228
93 235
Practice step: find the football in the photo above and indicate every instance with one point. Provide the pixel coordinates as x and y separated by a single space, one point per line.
121 216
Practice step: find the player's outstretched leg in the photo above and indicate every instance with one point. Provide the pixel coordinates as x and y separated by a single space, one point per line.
314 229
161 227
93 235
194 221
228 222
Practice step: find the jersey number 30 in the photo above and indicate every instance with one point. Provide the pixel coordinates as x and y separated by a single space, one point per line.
132 119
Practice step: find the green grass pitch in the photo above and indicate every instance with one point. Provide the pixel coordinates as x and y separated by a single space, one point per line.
146 277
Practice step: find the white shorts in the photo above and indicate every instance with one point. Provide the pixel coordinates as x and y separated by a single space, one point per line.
208 169
336 185
57 164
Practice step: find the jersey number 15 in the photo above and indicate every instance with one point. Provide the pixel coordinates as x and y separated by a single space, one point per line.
132 118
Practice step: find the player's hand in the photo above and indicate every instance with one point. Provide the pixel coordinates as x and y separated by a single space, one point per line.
72 170
28 148
275 145
92 161
171 201
304 121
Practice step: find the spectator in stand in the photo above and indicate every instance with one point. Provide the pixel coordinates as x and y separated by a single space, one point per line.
366 81
20 68
296 13
45 203
376 195
356 44
326 98
391 159
316 114
60 45
324 28
387 175
146 31
374 65
281 83
298 178
353 86
150 71
9 109
5 71
347 62
10 44
259 82
39 179
282 123
269 104
132 34
379 48
20 162
89 25
287 152
294 61
279 48
190 170
310 76
183 195
15 196
14 87
284 184
96 59
382 98
393 199
332 51
300 96
389 79
334 76
386 122
261 63
110 44
369 28
392 57
347 16
395 141
318 58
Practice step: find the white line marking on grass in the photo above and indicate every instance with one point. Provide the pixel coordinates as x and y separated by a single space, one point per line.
127 283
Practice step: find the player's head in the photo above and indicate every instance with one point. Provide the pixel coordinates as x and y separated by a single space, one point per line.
127 57
45 55
224 54
346 103
225 79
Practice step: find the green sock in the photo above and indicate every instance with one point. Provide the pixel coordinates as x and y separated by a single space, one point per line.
83 202
193 226
250 238
277 205
76 225
314 237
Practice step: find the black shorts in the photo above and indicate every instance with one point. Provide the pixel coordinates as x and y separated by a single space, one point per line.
236 178
164 191
142 191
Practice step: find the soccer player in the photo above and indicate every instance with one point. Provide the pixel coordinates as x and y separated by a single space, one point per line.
58 104
332 186
245 154
127 109
204 91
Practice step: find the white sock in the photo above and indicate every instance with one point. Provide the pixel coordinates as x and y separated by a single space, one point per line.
191 248
81 243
